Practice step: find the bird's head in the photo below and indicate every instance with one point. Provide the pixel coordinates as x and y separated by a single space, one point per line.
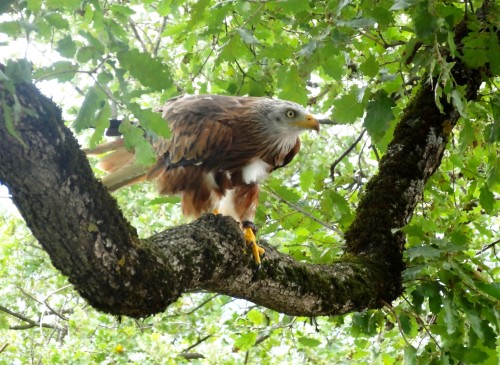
289 117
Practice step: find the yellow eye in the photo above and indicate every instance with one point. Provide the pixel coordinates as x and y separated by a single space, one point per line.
291 113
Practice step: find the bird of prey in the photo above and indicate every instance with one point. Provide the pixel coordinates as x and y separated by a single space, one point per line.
220 149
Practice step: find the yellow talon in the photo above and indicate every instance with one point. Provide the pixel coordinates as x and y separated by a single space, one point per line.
251 241
216 211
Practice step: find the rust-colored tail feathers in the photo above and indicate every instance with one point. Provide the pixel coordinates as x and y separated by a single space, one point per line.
119 164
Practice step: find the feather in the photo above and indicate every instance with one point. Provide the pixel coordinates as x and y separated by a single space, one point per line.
127 175
219 149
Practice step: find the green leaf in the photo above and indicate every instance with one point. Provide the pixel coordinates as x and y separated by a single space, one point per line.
450 314
423 251
151 121
34 5
492 289
63 4
165 200
150 72
475 54
410 355
292 86
493 179
92 104
348 108
459 102
425 23
379 115
198 9
11 28
56 20
256 317
19 71
66 47
10 122
306 179
402 4
370 67
61 70
487 199
475 356
383 16
309 342
135 140
245 341
5 5
409 325
493 134
102 122
246 36
285 193
333 66
86 53
357 22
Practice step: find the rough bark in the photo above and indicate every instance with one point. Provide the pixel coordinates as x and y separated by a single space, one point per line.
81 227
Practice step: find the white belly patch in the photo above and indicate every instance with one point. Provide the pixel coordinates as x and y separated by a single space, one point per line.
255 171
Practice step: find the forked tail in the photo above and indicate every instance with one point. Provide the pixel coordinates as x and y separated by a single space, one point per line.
119 165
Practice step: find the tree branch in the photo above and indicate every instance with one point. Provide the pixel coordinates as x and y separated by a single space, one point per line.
81 227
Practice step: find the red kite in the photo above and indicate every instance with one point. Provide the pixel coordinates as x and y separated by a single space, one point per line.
220 148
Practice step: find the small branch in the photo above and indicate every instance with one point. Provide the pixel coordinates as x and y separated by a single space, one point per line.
194 309
31 323
158 39
137 35
53 311
328 122
203 339
3 347
488 246
299 209
191 355
346 152
400 327
313 100
423 324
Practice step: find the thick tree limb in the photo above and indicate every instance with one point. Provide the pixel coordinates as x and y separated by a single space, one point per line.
79 224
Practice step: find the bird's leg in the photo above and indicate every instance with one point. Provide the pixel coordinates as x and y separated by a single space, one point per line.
249 231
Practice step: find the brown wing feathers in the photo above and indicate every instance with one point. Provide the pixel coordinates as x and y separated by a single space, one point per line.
212 139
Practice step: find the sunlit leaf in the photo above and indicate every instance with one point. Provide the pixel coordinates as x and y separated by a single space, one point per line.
245 341
379 114
148 70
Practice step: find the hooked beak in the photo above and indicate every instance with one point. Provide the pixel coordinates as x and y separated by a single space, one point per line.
308 123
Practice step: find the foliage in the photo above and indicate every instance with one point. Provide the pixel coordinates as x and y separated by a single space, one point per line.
357 63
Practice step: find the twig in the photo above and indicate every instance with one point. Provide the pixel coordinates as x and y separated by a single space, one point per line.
137 35
400 327
46 302
191 355
346 152
158 39
313 100
194 309
4 346
328 122
203 339
299 209
31 323
423 324
487 247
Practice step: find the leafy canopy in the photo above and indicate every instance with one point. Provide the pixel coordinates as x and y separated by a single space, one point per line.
357 63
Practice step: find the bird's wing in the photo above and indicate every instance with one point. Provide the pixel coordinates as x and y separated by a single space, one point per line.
202 129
